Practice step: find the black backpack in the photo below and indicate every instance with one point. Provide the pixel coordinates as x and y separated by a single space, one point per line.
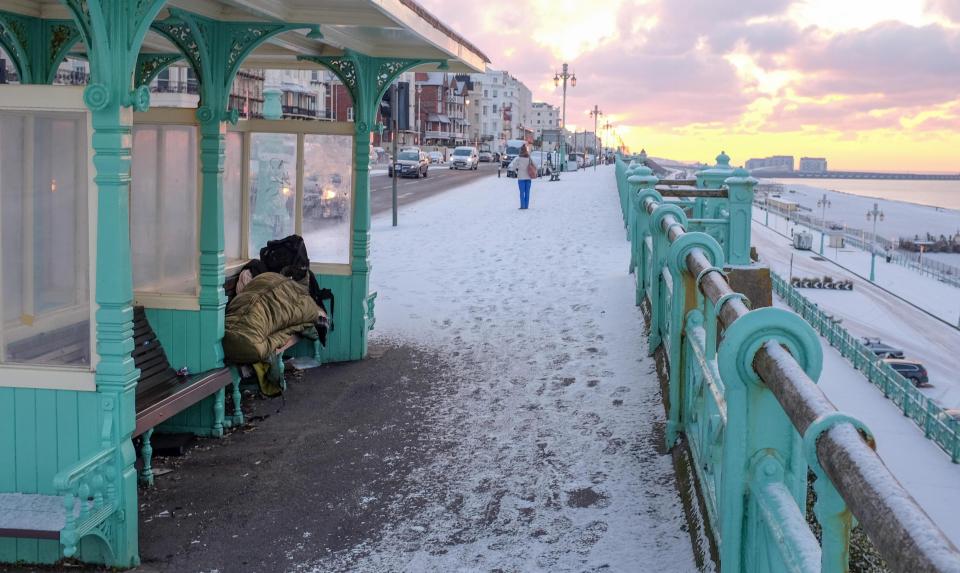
287 256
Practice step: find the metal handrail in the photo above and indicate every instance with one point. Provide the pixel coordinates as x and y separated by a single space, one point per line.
902 532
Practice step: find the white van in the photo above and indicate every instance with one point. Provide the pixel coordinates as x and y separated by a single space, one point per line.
465 158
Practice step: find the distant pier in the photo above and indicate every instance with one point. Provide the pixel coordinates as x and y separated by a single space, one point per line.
855 175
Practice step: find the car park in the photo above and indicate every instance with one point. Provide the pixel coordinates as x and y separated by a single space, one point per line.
911 370
464 158
411 162
881 349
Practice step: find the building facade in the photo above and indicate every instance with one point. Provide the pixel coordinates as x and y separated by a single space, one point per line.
502 109
813 165
544 116
773 163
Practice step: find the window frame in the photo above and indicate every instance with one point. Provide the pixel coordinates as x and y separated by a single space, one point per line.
32 99
301 129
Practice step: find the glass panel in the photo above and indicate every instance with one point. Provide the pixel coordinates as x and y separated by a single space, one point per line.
232 195
163 209
273 177
327 197
44 261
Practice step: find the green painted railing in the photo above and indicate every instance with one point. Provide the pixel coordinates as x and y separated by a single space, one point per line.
928 415
742 395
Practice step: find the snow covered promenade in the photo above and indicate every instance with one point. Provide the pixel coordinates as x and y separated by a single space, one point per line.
552 412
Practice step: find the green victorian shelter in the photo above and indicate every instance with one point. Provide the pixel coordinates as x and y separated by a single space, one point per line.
122 225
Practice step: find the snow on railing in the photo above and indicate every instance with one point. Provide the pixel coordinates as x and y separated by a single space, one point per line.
742 392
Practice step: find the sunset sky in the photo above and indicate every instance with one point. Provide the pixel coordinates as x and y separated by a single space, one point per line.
870 84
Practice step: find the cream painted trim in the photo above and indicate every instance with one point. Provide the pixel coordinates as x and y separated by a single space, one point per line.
166 301
47 378
167 115
295 126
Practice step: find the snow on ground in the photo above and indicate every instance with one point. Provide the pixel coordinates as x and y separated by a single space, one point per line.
936 297
902 219
869 311
917 463
555 421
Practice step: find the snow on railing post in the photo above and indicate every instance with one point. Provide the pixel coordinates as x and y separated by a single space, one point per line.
761 443
833 515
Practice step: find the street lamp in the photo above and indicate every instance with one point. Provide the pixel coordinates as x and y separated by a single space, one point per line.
875 214
823 204
596 113
557 76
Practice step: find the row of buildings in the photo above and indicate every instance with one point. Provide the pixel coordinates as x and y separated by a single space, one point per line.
442 108
786 163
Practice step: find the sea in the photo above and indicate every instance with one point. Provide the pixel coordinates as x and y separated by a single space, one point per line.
942 194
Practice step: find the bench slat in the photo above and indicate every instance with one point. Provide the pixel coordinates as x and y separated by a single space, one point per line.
34 516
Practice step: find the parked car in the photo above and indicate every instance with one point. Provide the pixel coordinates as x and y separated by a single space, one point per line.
436 157
486 157
882 350
464 158
411 162
910 369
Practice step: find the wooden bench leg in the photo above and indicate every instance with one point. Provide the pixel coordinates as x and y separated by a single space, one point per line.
218 412
237 418
146 452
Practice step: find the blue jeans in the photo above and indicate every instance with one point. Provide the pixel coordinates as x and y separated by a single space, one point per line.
524 192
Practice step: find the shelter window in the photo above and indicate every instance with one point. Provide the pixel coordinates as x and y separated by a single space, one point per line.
163 209
45 216
285 177
273 180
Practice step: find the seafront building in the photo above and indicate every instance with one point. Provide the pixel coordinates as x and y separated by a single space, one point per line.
813 165
773 163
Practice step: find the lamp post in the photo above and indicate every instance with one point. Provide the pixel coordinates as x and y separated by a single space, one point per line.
419 123
874 214
823 204
596 113
557 76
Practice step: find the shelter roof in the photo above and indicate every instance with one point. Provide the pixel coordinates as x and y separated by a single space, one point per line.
385 28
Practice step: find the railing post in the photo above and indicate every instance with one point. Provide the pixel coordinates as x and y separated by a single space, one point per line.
661 247
641 179
713 178
686 297
740 203
836 521
641 230
758 432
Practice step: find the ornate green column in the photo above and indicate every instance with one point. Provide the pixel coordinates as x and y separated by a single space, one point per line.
215 51
367 79
36 45
113 31
740 206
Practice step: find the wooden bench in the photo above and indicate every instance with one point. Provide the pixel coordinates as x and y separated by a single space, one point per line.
162 392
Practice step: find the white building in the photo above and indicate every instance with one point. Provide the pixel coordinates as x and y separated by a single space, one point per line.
813 165
544 116
501 108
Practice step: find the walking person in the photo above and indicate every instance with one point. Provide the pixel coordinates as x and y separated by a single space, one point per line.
526 171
